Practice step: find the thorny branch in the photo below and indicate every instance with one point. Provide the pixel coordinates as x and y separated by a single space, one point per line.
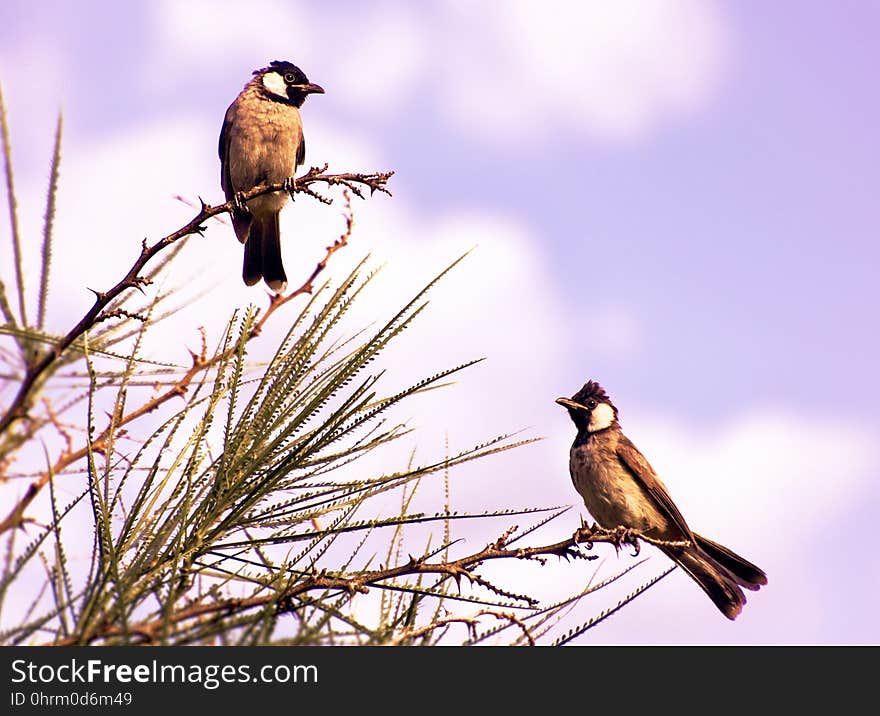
18 408
353 182
289 600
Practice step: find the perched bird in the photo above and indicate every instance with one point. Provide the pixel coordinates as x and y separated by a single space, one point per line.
262 143
620 488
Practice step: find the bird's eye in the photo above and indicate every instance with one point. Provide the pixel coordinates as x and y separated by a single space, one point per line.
289 78
591 403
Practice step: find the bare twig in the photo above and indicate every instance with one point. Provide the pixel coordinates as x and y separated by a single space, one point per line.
472 622
59 426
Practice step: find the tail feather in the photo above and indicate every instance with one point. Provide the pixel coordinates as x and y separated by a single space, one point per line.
241 224
741 570
273 268
252 270
715 580
262 255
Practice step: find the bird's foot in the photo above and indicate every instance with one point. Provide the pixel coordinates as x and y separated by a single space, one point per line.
238 200
290 187
626 535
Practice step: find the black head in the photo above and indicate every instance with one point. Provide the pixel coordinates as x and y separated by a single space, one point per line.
285 82
590 408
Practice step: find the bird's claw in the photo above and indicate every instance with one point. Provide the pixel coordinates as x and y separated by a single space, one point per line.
238 200
626 535
290 187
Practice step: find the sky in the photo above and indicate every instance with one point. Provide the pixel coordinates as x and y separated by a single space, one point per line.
676 198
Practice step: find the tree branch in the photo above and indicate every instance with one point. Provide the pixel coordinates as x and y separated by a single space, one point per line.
132 279
286 601
16 516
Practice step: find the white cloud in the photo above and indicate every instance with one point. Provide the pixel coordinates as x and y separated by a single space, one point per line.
499 303
381 56
367 58
611 71
200 36
614 71
760 467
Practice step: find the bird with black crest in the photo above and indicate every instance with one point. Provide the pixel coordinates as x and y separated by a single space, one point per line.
620 489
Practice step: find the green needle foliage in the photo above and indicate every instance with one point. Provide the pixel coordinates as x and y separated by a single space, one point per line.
234 495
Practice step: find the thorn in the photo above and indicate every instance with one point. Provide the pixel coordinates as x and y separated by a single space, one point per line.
456 575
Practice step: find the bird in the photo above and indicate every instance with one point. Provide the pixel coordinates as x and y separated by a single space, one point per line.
620 489
261 142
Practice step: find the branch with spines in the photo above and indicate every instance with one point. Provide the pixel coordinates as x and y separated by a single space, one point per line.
376 181
288 600
200 362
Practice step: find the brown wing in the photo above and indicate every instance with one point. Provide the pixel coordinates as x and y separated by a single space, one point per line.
223 151
241 221
301 149
644 474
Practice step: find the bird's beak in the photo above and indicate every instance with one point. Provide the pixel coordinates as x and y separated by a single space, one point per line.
309 88
566 403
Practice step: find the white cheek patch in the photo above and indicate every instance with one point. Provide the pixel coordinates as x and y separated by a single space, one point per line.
601 417
274 82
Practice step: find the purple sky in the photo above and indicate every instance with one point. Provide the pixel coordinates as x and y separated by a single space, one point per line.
679 202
